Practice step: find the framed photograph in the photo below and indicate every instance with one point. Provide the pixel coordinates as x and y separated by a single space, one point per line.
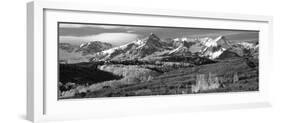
101 61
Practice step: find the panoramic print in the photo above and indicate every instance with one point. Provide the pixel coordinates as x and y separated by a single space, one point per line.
102 60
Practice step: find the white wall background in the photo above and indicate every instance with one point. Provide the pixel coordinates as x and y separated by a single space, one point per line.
13 61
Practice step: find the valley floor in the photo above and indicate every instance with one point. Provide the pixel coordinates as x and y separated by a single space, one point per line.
230 75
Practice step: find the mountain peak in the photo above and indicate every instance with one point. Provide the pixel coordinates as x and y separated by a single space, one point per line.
152 36
220 38
214 47
210 42
151 33
86 44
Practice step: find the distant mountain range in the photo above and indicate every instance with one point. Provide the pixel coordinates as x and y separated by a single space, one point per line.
153 47
91 48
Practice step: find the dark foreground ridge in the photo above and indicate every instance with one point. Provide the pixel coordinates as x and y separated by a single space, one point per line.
86 73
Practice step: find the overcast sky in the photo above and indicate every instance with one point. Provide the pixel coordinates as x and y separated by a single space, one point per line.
120 34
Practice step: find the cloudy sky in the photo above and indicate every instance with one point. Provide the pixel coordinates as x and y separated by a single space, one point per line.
122 34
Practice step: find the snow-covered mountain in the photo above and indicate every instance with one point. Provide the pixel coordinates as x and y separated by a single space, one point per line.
93 47
246 49
219 41
221 48
246 45
133 50
153 47
182 48
213 48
